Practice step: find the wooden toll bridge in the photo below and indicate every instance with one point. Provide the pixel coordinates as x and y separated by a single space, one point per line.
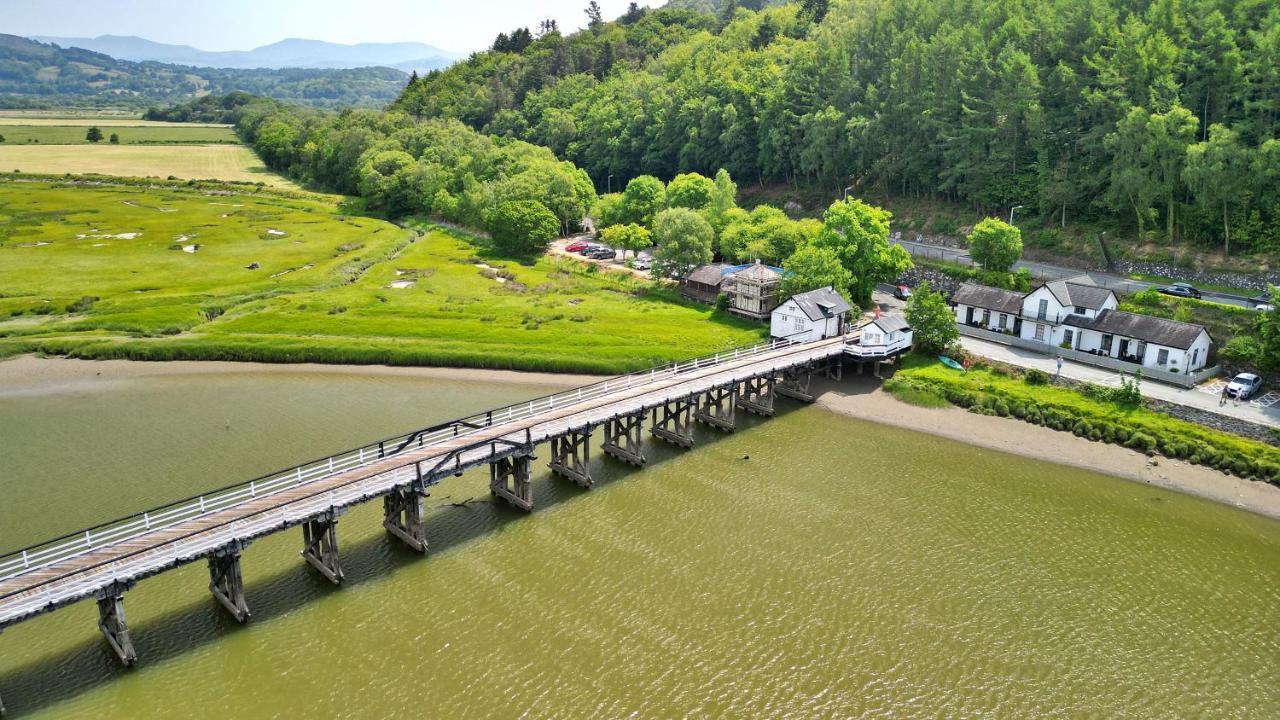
105 561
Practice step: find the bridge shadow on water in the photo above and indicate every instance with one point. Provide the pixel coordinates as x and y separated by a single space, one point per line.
201 621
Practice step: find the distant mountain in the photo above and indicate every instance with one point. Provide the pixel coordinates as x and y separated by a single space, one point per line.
34 74
291 53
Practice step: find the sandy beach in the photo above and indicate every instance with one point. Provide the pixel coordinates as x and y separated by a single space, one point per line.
854 397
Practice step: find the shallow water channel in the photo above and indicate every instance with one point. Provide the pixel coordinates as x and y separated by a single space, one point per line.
844 569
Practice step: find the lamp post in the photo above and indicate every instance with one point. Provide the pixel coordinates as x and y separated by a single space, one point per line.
610 183
1015 207
844 197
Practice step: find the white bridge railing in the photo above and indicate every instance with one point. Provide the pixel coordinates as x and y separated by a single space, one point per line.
18 562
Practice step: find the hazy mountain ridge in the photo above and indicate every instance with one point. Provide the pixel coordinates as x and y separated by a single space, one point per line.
34 74
288 53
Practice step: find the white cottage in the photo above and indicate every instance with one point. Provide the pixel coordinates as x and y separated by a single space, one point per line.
813 315
1076 314
886 335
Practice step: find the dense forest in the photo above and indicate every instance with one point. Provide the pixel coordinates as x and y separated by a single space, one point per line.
34 74
1162 115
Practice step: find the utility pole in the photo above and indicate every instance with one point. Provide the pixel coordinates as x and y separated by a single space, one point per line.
1015 207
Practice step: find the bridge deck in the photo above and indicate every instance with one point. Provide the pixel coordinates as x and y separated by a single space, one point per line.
76 568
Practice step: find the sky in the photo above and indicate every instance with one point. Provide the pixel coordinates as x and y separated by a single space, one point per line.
246 24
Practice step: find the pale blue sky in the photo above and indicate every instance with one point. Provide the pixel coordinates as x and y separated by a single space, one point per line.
246 24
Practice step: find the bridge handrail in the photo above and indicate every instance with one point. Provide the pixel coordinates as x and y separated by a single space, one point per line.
65 547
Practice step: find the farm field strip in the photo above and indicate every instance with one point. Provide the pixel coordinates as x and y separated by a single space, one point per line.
50 134
186 162
15 118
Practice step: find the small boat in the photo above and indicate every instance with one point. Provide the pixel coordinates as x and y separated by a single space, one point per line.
950 363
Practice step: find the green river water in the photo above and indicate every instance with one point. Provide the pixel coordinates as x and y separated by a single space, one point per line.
845 569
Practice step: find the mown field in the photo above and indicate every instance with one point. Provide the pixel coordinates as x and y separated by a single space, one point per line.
186 162
74 134
151 273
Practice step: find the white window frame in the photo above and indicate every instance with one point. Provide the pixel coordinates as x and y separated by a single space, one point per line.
1162 356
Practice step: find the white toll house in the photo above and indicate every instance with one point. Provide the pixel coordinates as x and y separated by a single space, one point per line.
814 315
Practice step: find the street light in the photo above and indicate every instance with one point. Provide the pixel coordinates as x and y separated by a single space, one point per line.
610 183
1015 207
845 196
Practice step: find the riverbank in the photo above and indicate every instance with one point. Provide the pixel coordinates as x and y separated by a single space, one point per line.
856 397
864 399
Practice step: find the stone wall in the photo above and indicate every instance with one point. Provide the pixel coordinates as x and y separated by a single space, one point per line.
1194 276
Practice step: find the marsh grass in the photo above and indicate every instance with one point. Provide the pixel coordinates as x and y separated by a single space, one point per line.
322 292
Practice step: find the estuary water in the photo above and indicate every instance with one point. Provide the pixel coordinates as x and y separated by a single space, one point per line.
809 565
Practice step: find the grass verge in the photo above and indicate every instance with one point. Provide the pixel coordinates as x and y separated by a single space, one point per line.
1006 392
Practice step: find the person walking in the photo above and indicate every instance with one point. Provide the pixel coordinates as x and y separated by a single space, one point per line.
1059 374
1222 399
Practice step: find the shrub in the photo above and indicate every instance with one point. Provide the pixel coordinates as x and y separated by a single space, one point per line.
1141 442
1036 377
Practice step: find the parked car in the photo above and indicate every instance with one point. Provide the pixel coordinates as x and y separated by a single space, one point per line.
902 292
642 263
1261 302
602 253
589 247
1243 386
1181 290
576 246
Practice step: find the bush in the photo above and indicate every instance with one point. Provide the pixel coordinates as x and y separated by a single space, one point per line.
1141 442
1036 377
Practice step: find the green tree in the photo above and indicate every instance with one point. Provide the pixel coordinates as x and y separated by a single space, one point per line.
1 138
932 321
1218 172
94 135
810 268
628 237
114 139
690 190
643 199
523 227
859 235
1269 335
1171 134
684 242
995 245
723 199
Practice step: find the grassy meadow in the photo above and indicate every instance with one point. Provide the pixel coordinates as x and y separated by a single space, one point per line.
74 134
163 273
187 162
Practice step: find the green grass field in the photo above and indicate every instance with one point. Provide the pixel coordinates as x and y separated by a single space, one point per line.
187 162
48 134
160 274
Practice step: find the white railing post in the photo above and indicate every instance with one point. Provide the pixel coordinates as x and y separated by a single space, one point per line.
201 504
146 520
253 489
25 561
331 463
87 540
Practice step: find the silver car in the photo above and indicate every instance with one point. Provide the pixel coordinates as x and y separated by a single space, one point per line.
1243 386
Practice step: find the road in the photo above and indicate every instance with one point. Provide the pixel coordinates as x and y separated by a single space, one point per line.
1264 410
1045 271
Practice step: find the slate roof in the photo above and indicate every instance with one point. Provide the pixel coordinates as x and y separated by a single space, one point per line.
990 298
1140 327
1079 291
821 303
708 274
890 323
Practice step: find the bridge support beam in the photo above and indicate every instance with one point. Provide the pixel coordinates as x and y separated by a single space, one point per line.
509 480
795 384
835 368
673 422
112 623
757 395
225 581
570 454
402 511
320 544
622 438
716 408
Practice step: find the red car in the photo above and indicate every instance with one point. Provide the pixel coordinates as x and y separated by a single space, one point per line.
576 246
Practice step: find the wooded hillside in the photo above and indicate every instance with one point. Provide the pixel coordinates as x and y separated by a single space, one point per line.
1160 115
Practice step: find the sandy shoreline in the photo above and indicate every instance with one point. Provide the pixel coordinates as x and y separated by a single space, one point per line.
868 402
858 398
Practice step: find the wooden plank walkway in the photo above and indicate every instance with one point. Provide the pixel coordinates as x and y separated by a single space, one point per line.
31 592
